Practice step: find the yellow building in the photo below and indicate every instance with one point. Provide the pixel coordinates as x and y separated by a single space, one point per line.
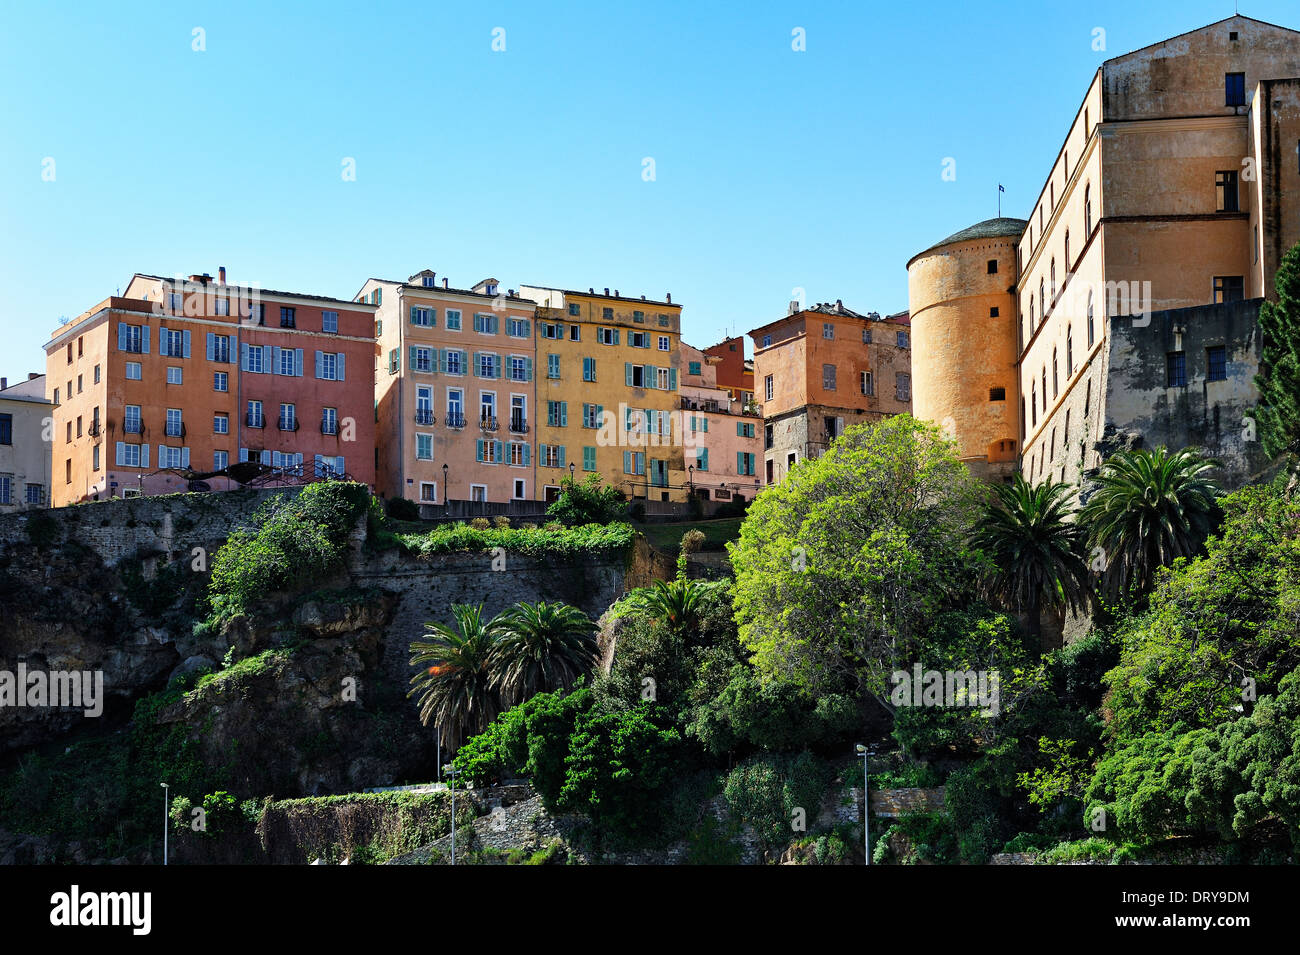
607 392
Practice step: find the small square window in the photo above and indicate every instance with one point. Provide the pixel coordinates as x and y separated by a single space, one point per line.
993 311
997 394
993 266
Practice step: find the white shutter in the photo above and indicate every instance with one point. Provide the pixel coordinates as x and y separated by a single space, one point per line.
340 367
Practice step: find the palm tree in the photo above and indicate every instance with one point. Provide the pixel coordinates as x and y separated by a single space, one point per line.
455 689
677 603
1152 508
1036 550
543 646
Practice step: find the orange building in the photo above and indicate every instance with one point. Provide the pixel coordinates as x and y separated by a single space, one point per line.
735 372
199 385
820 370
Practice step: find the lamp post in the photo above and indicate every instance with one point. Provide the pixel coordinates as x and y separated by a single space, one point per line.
866 805
572 465
691 468
452 773
166 819
446 498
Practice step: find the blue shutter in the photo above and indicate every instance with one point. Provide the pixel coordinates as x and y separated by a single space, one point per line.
704 459
144 455
627 373
627 462
616 336
320 363
442 359
121 341
275 359
528 448
600 413
243 356
478 449
500 451
339 359
740 462
740 430
185 456
564 414
212 346
672 379
297 362
411 358
528 369
412 314
121 447
185 343
144 339
476 362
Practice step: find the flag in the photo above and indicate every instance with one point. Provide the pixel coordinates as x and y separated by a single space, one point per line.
1001 188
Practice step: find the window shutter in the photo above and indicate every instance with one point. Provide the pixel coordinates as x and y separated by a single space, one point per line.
616 336
740 430
493 324
297 362
528 369
185 457
627 372
144 455
564 414
412 314
411 358
339 358
320 364
212 346
740 462
527 454
144 339
121 341
478 449
499 448
477 362
266 457
185 343
442 359
161 456
600 411
627 462
704 459
672 379
640 462
561 455
275 359
121 448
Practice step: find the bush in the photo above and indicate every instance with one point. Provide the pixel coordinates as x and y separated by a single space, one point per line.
402 509
480 524
550 542
586 502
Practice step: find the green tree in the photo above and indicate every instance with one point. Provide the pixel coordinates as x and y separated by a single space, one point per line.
676 603
1035 550
1151 508
840 567
1279 361
542 646
455 688
587 502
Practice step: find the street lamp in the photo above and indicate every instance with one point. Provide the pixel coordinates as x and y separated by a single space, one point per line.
866 805
691 468
445 497
166 819
572 465
452 773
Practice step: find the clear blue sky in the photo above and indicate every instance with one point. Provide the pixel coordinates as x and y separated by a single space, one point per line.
775 169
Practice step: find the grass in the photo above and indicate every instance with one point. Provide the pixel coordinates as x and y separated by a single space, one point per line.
668 537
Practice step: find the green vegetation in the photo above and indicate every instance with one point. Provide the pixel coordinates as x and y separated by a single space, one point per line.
1279 361
587 502
668 537
546 542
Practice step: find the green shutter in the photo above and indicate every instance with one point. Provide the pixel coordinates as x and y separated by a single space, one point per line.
627 372
478 448
564 414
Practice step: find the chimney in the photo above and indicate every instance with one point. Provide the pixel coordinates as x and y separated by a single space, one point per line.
4 383
669 298
792 307
616 295
221 273
590 290
607 291
839 304
33 374
444 283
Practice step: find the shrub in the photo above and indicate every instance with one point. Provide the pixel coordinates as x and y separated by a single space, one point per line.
501 522
586 502
480 523
402 509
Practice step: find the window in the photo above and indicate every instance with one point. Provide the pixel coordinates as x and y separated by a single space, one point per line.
422 358
169 457
664 378
1087 211
131 423
866 336
1225 189
1228 288
902 340
588 369
1069 353
132 338
329 421
575 333
452 317
828 377
255 419
665 343
663 321
1033 402
1067 254
552 366
636 375
6 429
519 482
993 267
607 336
485 323
221 424
868 386
694 368
575 308
486 365
997 394
394 361
132 455
288 417
172 343
132 374
769 437
767 388
329 322
454 361
638 317
487 409
557 414
1091 328
220 381
1056 378
591 416
1217 363
288 317
767 341
588 458
550 455
429 492
518 328
1176 370
421 316
96 374
36 492
828 330
745 429
424 447
638 339
993 311
218 348
1234 89
174 375
606 313
903 386
746 463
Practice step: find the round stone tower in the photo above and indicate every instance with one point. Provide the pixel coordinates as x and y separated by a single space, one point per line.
961 296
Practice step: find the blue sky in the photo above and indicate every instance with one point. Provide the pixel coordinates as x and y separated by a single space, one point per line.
774 169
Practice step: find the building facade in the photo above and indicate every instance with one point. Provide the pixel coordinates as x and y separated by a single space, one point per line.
455 390
610 391
723 434
26 426
822 369
1176 188
735 371
193 384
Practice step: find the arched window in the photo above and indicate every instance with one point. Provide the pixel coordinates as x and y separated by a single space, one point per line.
1087 209
1090 325
1044 389
1042 297
1056 378
1033 401
1022 419
1065 434
1087 399
1051 448
1031 316
1069 352
1067 252
1053 281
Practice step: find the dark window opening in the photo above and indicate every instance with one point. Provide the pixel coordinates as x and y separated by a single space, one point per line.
1225 187
997 394
1176 370
1229 288
1234 89
1217 361
993 266
993 311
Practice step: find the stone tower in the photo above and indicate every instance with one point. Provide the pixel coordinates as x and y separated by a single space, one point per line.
961 295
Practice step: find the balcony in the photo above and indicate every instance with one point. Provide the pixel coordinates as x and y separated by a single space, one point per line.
518 426
174 430
487 422
329 427
288 424
424 416
455 419
255 421
133 427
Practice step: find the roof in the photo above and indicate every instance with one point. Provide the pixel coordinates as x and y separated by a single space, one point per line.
30 389
825 308
1179 36
592 293
441 289
261 291
988 229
